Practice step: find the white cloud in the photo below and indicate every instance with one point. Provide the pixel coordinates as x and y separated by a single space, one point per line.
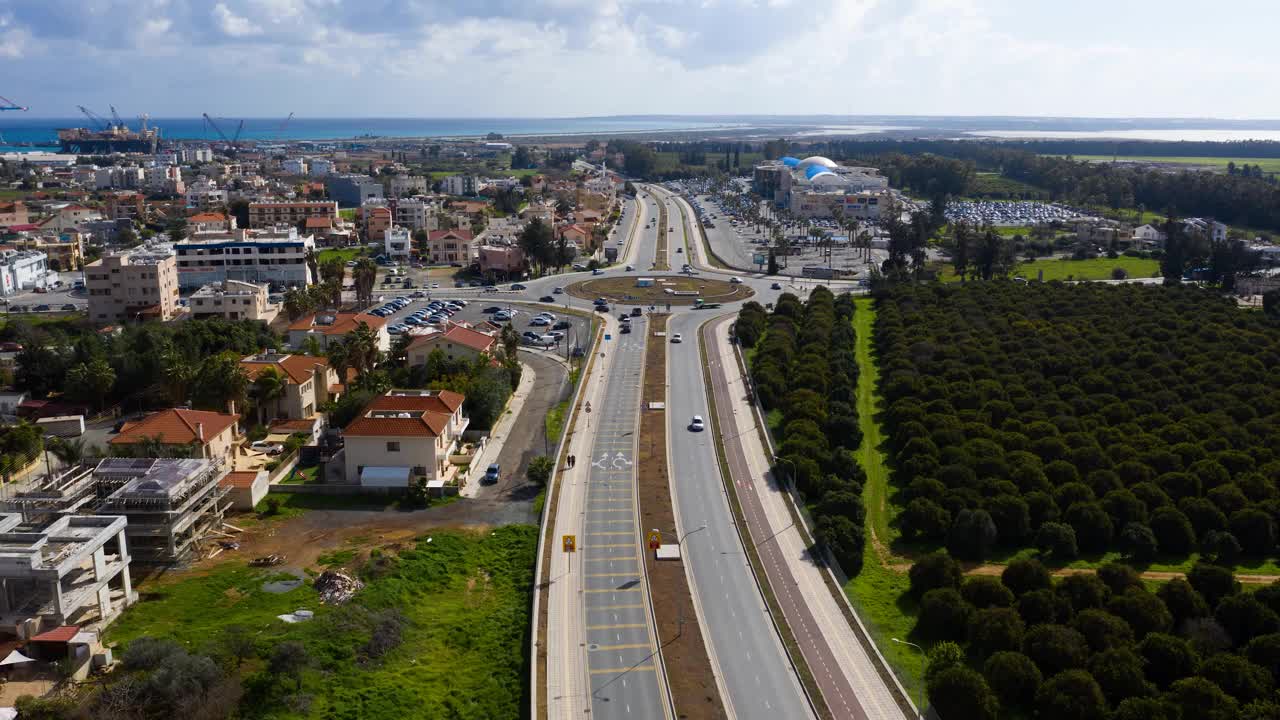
232 24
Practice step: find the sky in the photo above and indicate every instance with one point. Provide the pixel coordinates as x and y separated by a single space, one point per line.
568 58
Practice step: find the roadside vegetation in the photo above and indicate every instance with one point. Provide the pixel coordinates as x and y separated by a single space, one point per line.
439 630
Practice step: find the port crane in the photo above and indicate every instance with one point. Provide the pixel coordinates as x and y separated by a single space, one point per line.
229 140
7 104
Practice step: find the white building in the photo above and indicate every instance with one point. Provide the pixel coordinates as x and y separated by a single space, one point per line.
195 155
275 255
161 159
416 214
460 185
204 194
402 435
402 185
320 167
164 179
22 270
1149 234
294 166
233 300
398 242
1212 229
128 178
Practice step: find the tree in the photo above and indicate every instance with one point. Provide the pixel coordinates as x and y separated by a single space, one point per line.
925 519
1255 530
1139 542
1055 648
943 615
1245 618
1144 612
1058 540
238 643
1168 658
1173 531
540 468
177 229
91 382
536 240
363 352
1102 630
1182 600
936 570
220 382
984 592
1013 677
959 692
994 630
268 387
1271 304
1119 672
1213 582
290 659
1023 575
1201 699
1071 695
364 275
972 535
1238 677
843 538
1143 708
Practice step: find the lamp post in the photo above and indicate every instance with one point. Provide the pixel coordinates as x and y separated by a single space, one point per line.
687 534
791 478
925 657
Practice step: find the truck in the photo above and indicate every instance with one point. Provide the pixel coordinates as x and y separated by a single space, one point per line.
701 304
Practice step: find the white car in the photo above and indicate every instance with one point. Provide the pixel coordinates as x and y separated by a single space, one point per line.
735 280
696 424
676 338
267 448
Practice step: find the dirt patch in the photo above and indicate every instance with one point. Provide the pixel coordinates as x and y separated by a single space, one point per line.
689 673
623 289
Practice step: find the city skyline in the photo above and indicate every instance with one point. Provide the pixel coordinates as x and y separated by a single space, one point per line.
569 58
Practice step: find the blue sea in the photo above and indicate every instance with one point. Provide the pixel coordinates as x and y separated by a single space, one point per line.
43 131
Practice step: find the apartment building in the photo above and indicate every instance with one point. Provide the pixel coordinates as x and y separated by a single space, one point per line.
460 185
449 246
170 504
204 194
294 166
259 256
416 214
402 185
166 179
14 213
402 435
309 382
352 190
233 300
319 167
377 220
398 243
133 285
268 214
126 205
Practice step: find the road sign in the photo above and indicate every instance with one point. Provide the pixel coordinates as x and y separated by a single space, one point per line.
570 543
608 336
588 406
655 539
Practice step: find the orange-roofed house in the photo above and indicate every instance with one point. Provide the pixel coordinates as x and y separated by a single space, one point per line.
330 327
456 342
403 435
191 433
449 246
246 487
308 381
210 222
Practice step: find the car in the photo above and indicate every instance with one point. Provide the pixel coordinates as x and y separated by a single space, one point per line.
776 286
69 307
626 329
679 249
676 338
267 448
18 308
557 335
459 303
547 299
631 268
636 312
579 267
518 286
397 329
529 334
413 320
419 294
491 288
578 352
557 291
696 424
42 308
492 473
602 308
735 280
10 347
597 271
624 318
562 325
539 322
435 286
491 309
599 301
502 315
458 284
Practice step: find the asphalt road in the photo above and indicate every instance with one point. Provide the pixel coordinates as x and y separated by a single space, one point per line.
751 661
621 647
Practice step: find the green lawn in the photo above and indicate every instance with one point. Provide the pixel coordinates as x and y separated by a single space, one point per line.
348 214
878 592
464 598
1269 165
343 254
1096 269
555 421
993 185
302 475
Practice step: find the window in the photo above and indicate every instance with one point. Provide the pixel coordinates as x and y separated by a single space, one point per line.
393 447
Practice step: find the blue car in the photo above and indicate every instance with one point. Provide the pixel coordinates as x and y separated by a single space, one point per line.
491 475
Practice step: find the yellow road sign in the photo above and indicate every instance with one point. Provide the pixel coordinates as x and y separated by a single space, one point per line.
655 539
570 543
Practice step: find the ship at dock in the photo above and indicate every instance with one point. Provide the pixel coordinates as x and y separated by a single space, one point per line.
108 137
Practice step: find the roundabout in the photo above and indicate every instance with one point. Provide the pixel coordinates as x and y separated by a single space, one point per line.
664 289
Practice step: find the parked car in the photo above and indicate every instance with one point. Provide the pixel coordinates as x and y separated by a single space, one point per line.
735 280
10 347
696 424
267 448
631 268
491 309
562 325
557 291
42 308
626 329
578 352
492 473
776 286
597 271
636 312
540 322
602 308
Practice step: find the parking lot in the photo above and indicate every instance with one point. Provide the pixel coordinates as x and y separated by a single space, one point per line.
57 298
573 327
1009 213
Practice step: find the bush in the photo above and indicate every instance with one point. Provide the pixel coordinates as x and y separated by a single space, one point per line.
1014 678
959 692
936 570
540 468
1119 273
1071 695
943 615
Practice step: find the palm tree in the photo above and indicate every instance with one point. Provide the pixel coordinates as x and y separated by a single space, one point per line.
339 359
362 348
179 373
222 381
69 451
268 388
313 265
364 274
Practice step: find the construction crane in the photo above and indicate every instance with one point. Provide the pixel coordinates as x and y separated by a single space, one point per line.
208 121
7 104
239 129
102 124
115 117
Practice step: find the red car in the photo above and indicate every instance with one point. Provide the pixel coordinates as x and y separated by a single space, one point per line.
10 347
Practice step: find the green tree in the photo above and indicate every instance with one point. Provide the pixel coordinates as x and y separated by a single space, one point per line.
1013 677
91 382
364 274
268 387
540 469
1055 648
1071 695
936 570
943 615
959 692
1201 699
290 659
1119 672
1168 658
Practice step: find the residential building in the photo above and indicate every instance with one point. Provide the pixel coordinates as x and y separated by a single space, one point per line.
456 342
416 214
578 235
294 166
68 216
460 185
1149 235
545 211
73 570
449 246
130 178
22 270
210 222
195 155
268 255
127 205
233 300
398 242
504 259
403 185
352 190
309 381
377 220
320 167
132 285
64 251
204 194
268 214
196 433
165 179
170 503
1208 227
330 327
14 213
403 435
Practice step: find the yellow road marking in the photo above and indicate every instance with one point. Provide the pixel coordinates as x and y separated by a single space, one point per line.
627 626
619 671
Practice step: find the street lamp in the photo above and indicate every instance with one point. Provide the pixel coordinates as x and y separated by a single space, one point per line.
920 707
791 478
682 537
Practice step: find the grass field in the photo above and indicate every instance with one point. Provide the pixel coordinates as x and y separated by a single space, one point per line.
1096 269
993 185
879 592
464 598
1269 165
343 254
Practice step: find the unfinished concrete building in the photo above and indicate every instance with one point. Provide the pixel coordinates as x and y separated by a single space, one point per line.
170 503
68 572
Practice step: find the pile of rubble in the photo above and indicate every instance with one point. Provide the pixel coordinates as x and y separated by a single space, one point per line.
336 587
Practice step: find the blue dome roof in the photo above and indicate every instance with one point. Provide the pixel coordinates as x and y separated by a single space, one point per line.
790 161
812 170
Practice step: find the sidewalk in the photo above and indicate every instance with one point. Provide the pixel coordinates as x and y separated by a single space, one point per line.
859 668
493 444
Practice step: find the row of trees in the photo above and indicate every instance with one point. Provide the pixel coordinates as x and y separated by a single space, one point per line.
804 367
1081 419
1096 646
